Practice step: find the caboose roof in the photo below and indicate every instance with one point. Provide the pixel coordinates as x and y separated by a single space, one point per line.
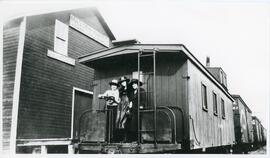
165 48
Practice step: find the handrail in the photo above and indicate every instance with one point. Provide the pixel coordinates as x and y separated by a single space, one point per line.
183 121
174 121
195 136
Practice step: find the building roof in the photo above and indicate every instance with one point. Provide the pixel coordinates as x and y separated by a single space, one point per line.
237 96
165 48
80 12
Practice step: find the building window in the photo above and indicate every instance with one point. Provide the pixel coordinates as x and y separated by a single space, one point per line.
61 38
222 108
136 75
215 104
204 97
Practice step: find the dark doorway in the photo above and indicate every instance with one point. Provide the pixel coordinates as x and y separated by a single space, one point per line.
82 102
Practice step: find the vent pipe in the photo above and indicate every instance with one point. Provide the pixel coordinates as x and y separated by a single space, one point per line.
207 61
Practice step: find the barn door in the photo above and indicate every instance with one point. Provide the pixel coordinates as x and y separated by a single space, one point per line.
82 101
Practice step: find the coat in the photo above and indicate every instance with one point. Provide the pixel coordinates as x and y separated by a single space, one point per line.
133 97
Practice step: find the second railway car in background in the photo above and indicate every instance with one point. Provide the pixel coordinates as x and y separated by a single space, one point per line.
187 108
242 124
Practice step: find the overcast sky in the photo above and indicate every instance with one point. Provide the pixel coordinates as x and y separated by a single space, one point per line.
234 34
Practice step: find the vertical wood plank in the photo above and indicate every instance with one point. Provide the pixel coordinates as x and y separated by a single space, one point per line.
16 94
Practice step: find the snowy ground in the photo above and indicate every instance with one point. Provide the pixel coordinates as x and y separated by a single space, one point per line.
261 150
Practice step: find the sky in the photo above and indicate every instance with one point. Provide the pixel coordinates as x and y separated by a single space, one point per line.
234 34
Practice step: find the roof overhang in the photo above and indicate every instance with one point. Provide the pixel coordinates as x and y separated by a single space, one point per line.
165 48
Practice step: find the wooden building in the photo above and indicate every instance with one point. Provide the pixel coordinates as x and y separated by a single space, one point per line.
44 86
242 121
181 81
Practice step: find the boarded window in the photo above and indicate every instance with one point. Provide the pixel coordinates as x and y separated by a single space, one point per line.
222 108
204 97
61 38
215 103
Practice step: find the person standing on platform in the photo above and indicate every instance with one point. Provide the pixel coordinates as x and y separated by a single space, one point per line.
112 101
133 98
123 108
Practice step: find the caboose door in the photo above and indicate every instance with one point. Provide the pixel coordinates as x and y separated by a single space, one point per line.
82 101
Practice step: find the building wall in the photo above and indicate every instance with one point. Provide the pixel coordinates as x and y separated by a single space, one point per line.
210 130
10 46
47 84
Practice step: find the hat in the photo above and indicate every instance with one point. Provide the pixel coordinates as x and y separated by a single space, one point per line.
114 82
135 81
122 79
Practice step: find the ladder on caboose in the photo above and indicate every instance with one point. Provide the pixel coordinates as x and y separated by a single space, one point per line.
153 109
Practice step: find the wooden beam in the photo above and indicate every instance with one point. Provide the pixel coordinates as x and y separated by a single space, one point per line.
1 87
17 84
39 142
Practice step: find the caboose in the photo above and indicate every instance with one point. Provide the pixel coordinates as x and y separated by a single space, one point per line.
187 107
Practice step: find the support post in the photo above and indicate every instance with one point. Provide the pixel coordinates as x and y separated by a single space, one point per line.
43 149
71 149
155 98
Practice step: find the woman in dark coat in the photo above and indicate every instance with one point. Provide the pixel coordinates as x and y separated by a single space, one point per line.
133 98
122 109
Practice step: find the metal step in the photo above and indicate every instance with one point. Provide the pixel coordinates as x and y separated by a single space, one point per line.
147 110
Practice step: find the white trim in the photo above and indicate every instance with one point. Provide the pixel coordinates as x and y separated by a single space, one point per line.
44 139
41 143
61 57
87 30
1 86
17 84
73 102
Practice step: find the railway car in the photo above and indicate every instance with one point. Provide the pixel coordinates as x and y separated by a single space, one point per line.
242 124
187 107
259 132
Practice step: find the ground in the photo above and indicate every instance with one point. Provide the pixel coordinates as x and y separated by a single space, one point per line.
261 150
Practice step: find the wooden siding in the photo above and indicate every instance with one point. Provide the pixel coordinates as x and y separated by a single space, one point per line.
209 130
47 84
170 85
10 46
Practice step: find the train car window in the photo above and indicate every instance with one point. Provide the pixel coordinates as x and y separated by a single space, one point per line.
204 97
61 38
222 108
215 104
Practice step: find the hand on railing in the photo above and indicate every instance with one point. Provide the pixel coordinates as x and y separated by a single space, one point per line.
109 99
